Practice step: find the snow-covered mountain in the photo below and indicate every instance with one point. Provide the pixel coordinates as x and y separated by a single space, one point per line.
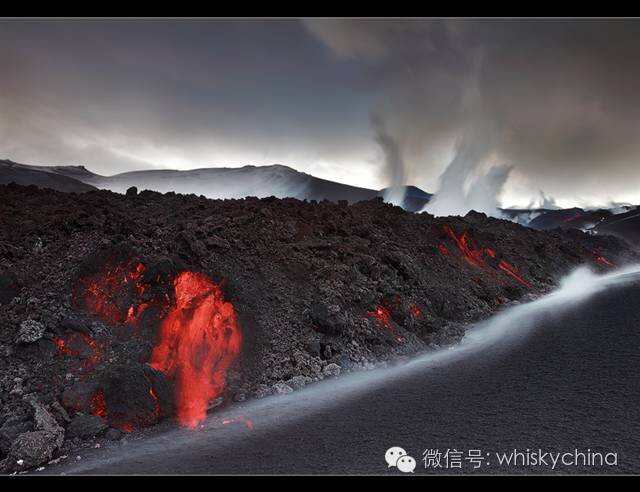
282 181
259 181
44 177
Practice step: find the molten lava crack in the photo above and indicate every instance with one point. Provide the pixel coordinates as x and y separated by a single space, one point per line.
474 256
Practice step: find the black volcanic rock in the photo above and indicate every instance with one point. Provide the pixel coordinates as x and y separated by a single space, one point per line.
326 319
86 426
29 450
311 284
9 287
130 402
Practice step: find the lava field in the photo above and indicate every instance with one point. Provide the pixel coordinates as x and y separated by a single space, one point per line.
119 311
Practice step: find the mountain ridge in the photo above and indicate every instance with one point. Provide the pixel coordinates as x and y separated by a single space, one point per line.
213 182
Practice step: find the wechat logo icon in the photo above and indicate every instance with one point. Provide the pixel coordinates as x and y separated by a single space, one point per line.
398 457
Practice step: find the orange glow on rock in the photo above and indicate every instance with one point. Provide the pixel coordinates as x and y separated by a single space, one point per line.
511 271
76 344
475 256
443 250
416 312
104 292
198 340
383 316
601 260
572 218
128 428
470 254
157 402
98 405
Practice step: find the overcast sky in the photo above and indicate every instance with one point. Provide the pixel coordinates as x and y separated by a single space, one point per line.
554 100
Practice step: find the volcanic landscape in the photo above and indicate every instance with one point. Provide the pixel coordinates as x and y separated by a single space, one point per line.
119 311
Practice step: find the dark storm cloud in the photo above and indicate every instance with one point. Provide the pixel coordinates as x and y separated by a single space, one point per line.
554 99
558 98
129 94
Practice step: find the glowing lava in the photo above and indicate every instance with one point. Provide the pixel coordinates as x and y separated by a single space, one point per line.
601 260
511 271
470 254
416 312
98 405
80 345
198 340
105 293
157 402
443 250
383 315
475 256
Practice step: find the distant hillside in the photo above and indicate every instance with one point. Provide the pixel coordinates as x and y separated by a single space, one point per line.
42 177
570 218
259 181
625 226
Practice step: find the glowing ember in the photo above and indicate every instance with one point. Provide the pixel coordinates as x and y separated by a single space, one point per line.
135 312
443 249
80 345
128 428
383 316
198 340
157 402
511 271
62 345
416 312
105 293
98 405
601 260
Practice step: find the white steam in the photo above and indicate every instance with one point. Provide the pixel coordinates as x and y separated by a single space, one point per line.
394 162
544 201
467 185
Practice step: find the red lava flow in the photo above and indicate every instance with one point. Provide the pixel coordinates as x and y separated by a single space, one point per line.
198 340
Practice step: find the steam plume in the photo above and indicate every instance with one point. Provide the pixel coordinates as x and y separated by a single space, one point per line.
463 186
394 161
544 201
